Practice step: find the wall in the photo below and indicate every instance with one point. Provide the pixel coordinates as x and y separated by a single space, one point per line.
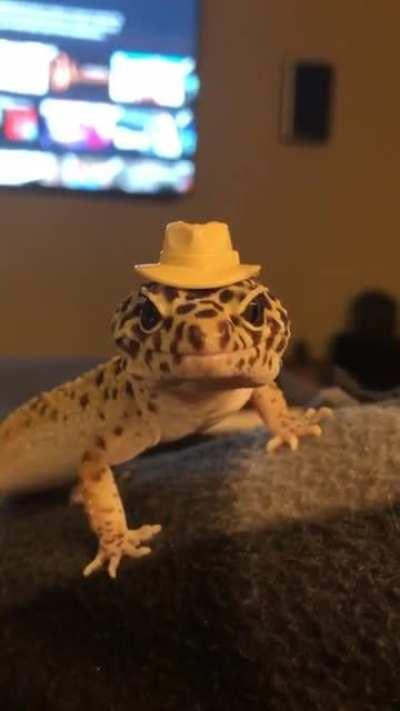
324 222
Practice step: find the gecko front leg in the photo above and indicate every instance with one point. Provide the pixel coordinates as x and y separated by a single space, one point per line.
106 513
287 426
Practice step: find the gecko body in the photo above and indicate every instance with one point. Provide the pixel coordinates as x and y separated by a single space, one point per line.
188 358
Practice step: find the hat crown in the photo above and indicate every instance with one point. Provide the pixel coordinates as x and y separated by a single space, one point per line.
210 238
198 246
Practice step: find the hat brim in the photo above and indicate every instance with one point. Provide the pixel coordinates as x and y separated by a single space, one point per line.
190 278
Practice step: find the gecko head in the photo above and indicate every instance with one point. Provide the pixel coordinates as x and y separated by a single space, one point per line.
236 333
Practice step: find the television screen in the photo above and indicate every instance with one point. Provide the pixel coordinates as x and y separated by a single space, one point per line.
99 95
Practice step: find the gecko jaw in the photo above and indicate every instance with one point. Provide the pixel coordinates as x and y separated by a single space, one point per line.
221 365
212 354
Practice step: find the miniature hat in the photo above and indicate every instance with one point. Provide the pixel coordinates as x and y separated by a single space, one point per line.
197 257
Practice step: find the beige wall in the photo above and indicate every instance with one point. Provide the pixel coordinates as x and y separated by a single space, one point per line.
324 222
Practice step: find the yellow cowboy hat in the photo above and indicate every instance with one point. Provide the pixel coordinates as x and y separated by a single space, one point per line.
197 257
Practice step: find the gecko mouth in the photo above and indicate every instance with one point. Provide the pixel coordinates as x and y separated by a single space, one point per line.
238 368
213 354
241 368
220 364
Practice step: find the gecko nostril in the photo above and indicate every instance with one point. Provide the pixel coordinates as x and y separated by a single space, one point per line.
196 337
225 329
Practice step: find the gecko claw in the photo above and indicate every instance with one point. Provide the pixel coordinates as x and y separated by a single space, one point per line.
96 564
298 424
279 440
128 544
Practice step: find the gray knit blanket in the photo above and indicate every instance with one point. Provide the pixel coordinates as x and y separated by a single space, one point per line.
275 583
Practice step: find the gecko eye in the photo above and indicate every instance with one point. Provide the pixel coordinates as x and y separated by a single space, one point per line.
150 317
254 311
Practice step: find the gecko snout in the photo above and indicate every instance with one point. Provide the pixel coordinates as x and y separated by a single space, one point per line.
212 338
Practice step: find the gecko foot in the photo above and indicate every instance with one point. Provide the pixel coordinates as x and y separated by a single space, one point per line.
111 550
296 425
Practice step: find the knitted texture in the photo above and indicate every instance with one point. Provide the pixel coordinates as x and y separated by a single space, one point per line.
274 585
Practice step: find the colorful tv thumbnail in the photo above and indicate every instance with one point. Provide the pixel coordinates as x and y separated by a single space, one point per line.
150 176
91 173
78 125
82 172
24 167
160 133
161 80
25 67
19 120
94 127
20 124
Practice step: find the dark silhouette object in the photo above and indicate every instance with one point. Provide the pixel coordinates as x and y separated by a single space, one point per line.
369 348
300 354
302 364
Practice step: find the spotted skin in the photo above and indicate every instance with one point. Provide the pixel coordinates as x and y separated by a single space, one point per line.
188 358
205 322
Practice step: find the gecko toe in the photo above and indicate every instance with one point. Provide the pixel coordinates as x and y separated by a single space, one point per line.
136 551
274 444
143 534
96 564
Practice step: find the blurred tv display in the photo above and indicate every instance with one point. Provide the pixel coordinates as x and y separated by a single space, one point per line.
99 96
